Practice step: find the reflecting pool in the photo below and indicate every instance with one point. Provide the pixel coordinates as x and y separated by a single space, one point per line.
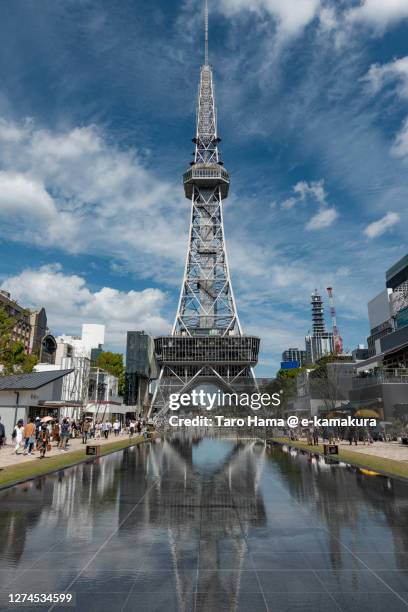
201 524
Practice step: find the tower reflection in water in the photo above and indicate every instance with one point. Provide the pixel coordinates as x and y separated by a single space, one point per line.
205 524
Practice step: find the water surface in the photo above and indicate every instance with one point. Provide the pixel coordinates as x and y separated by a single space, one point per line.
208 525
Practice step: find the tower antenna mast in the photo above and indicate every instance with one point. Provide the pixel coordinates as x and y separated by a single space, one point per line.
206 32
337 339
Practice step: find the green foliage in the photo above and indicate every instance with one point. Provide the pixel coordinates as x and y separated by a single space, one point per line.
113 363
12 355
291 373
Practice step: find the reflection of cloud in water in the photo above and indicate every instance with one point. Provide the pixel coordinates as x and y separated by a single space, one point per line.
207 457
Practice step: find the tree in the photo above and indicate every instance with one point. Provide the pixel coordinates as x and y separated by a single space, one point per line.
326 382
113 363
285 384
13 357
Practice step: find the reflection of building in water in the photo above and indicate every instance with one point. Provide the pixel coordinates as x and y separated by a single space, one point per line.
197 508
21 511
349 506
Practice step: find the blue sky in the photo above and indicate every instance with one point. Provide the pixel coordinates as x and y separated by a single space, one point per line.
97 111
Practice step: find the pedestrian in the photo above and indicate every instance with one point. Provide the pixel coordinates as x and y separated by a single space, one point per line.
56 433
315 437
37 424
86 426
44 441
131 428
2 434
116 428
139 426
18 436
65 434
105 429
29 437
98 428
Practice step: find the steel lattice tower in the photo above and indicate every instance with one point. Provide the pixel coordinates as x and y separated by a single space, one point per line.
207 343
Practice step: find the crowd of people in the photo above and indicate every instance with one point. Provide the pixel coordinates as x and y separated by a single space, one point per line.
37 434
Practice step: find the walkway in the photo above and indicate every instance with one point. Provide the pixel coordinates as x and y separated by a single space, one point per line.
8 456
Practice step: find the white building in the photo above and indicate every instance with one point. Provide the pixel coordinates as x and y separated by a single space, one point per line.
24 396
74 353
104 402
93 335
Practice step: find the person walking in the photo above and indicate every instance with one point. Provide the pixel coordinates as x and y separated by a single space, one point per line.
98 428
105 429
2 434
116 428
37 424
65 433
44 441
86 426
29 437
18 436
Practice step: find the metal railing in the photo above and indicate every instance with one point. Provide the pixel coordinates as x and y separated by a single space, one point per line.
379 378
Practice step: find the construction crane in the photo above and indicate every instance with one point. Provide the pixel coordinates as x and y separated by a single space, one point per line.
337 339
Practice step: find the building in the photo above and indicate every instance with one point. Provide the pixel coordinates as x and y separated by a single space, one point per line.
141 369
381 381
319 395
293 358
360 353
378 388
24 396
103 402
31 329
380 320
74 353
22 329
321 341
207 344
388 316
93 336
42 343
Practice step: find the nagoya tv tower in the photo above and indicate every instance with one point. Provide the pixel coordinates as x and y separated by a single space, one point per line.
206 344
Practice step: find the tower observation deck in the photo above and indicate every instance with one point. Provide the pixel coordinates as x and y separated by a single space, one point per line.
206 343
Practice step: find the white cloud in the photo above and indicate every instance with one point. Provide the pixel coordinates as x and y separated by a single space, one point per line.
378 13
69 303
292 16
304 190
315 192
377 78
81 194
324 218
378 228
380 75
289 203
400 146
314 189
20 194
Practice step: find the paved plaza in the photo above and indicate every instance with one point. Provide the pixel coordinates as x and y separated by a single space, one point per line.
387 450
8 456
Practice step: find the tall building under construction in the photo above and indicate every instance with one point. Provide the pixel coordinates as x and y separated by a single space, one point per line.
320 342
